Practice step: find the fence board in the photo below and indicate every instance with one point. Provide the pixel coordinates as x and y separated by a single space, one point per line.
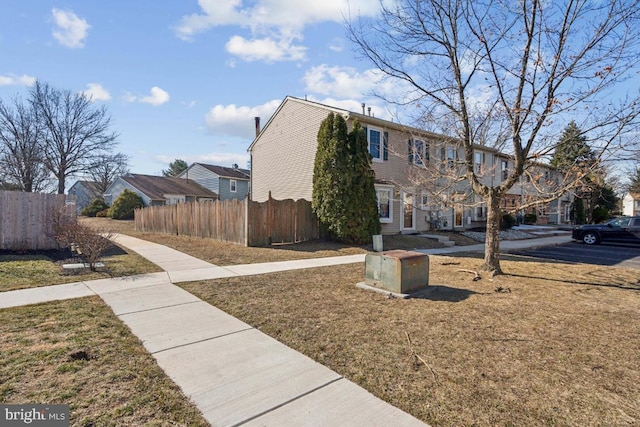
242 222
26 219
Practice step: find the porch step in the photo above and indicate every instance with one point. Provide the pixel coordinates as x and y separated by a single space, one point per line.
441 239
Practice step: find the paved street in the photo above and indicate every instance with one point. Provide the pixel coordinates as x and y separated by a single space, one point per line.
618 255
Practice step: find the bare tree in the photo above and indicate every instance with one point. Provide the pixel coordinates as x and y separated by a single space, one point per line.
75 131
21 155
105 168
510 75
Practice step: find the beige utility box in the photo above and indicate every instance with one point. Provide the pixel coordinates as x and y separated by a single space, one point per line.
397 271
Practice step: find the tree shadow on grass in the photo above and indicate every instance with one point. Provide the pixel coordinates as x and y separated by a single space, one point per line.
524 258
443 293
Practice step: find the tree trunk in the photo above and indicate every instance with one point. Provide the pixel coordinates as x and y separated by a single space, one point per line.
492 241
61 186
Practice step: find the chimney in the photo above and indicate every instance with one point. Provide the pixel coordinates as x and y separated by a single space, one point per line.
363 108
257 119
369 109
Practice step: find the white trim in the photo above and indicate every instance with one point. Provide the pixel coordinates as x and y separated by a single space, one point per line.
403 194
388 188
381 147
233 186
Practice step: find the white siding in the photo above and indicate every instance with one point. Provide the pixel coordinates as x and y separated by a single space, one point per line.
284 154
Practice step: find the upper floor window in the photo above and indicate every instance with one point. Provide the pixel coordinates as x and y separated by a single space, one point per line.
479 159
504 169
378 142
233 185
418 152
375 143
451 157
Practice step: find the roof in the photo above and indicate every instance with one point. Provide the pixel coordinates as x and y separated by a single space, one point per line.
367 119
155 187
92 186
225 172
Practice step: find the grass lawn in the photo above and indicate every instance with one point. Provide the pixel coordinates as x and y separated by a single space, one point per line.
545 344
221 253
77 352
19 271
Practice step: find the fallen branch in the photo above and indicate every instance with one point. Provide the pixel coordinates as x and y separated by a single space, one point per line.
417 356
475 273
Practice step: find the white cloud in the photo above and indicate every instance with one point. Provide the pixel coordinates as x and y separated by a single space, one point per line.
267 49
70 30
238 121
341 81
347 82
96 92
157 96
337 45
13 80
274 24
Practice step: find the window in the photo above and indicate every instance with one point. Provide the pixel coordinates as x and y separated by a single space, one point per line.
385 204
504 168
480 212
418 152
424 201
233 185
375 143
451 157
479 162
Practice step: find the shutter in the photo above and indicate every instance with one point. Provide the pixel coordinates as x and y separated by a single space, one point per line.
385 146
410 150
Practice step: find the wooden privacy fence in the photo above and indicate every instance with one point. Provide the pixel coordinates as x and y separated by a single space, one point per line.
243 222
27 219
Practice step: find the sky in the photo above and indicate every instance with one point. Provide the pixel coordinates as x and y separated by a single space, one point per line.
185 79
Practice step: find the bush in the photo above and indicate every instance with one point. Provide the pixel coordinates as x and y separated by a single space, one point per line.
94 207
600 214
508 221
125 205
530 218
103 213
88 243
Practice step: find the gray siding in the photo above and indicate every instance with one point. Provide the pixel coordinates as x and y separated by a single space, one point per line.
242 189
83 195
118 186
219 185
204 177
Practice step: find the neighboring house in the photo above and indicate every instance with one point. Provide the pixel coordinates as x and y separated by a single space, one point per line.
227 183
85 192
159 190
283 156
631 204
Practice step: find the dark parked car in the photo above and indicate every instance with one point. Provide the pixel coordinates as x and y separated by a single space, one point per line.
621 230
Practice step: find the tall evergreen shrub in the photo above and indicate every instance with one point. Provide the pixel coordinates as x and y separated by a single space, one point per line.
344 196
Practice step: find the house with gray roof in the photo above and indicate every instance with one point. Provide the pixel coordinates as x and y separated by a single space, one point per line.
159 190
227 182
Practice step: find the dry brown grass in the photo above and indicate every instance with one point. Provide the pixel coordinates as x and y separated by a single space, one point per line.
221 253
77 352
19 271
546 344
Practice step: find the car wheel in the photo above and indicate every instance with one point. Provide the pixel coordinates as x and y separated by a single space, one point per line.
590 238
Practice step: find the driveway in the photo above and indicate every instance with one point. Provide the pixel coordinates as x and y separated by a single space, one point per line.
613 254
